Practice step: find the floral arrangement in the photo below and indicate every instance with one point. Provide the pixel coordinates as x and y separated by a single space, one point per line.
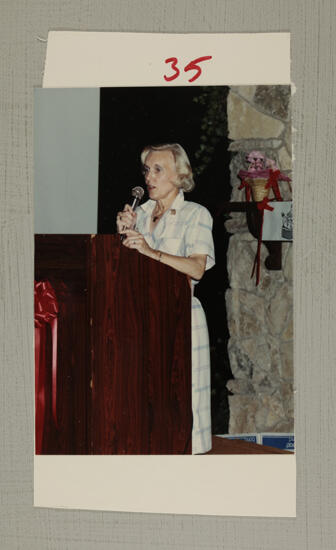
261 176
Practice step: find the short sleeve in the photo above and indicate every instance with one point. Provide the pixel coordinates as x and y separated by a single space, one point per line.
198 237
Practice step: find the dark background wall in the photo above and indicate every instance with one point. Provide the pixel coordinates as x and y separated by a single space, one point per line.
195 117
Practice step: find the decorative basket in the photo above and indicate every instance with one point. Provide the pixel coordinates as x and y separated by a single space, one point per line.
258 188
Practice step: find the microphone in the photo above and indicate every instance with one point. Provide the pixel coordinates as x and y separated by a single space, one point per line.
137 193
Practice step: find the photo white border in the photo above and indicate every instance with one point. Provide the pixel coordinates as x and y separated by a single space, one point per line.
236 485
99 59
229 485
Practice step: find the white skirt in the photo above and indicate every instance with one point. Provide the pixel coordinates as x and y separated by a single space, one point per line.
201 390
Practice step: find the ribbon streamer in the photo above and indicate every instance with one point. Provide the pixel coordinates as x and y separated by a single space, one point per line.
262 206
46 313
245 185
273 183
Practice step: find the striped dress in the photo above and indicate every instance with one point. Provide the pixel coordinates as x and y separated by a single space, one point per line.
183 230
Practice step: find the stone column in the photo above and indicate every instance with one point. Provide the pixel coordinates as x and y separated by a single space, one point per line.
260 318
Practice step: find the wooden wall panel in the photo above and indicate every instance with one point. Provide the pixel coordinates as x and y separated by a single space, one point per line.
124 349
62 260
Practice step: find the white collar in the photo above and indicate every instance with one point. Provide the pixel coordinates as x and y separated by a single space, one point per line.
148 206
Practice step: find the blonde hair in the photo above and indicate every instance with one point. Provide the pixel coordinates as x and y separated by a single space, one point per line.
182 163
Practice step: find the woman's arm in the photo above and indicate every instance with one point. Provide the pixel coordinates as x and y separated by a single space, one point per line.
193 266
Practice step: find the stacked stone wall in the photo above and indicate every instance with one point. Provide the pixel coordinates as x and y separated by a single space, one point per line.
260 318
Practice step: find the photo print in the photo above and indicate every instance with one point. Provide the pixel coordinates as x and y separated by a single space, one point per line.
120 379
117 420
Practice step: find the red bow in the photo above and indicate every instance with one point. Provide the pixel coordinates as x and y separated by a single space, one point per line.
45 301
46 312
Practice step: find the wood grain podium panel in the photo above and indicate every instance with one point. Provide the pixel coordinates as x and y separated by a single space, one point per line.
141 389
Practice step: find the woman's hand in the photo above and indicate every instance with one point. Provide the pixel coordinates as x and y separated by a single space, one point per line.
126 219
193 266
136 240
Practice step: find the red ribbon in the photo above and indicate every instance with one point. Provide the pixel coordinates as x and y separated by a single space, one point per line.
262 206
273 177
46 312
245 185
272 183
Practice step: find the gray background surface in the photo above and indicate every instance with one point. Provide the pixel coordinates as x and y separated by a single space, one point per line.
313 70
66 151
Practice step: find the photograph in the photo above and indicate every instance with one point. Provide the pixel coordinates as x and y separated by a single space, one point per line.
163 270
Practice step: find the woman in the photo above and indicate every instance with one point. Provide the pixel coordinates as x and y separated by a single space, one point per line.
179 234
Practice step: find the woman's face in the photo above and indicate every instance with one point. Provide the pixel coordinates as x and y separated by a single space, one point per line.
160 175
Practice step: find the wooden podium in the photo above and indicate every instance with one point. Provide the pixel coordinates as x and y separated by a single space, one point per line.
123 350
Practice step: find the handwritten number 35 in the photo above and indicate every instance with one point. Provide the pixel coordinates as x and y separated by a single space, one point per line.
192 66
